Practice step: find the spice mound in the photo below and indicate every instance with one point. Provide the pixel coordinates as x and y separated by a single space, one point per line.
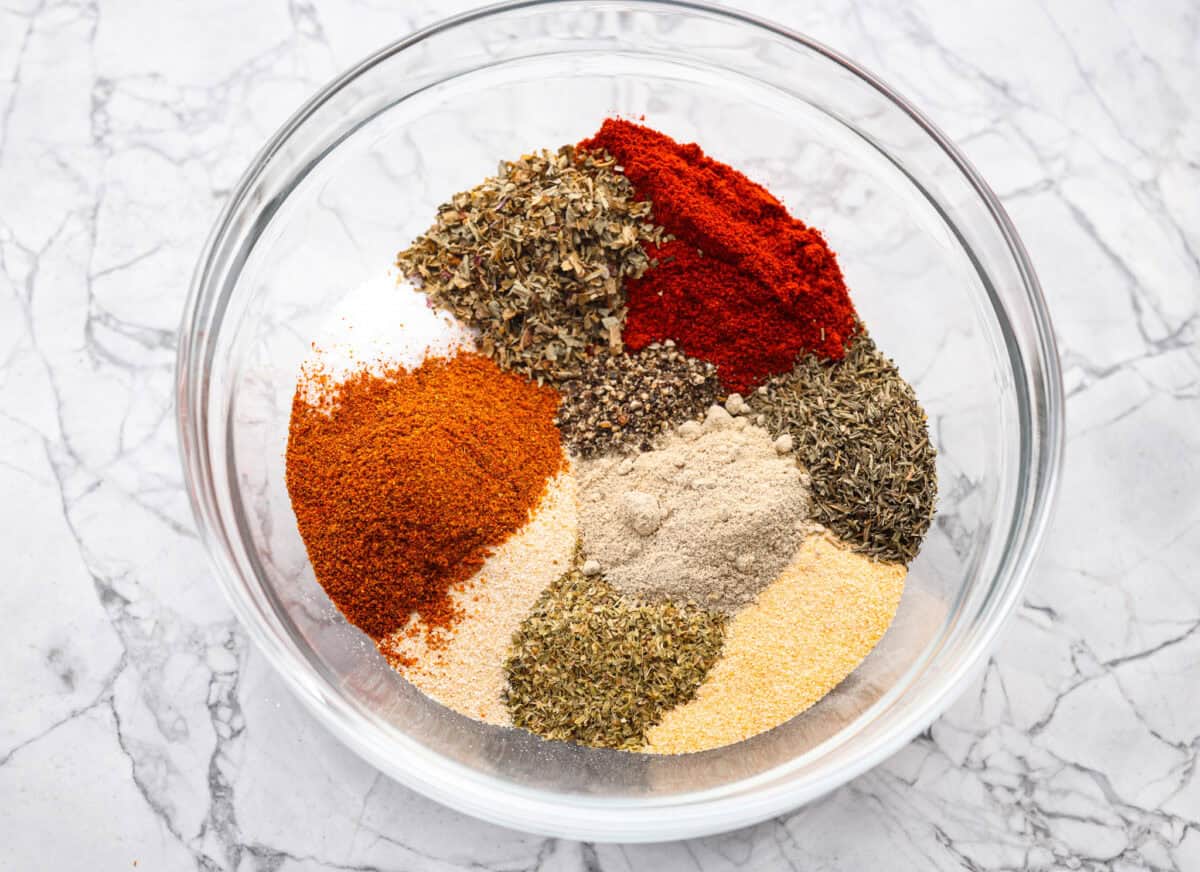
534 258
382 325
859 430
772 288
465 669
801 637
627 402
608 457
387 488
594 667
710 518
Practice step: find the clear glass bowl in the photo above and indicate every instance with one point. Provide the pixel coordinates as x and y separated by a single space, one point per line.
931 259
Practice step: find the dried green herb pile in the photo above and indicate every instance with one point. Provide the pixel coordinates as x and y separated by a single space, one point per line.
593 667
625 402
534 259
859 429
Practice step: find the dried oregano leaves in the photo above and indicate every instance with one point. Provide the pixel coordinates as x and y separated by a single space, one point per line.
592 667
624 402
859 429
534 258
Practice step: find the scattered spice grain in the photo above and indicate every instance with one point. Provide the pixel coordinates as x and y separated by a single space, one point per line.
626 402
803 635
592 667
858 428
534 259
413 479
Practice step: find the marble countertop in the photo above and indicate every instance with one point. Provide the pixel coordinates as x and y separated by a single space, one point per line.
140 728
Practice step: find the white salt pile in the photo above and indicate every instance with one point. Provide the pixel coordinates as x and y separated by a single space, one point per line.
383 324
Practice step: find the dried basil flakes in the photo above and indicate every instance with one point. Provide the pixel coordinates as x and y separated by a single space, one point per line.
534 259
593 667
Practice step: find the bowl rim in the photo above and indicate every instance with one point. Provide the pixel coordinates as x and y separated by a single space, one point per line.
604 819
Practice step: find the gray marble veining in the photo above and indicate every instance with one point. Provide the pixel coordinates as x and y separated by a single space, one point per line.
139 725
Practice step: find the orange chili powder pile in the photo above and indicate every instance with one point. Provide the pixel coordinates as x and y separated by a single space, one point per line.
403 490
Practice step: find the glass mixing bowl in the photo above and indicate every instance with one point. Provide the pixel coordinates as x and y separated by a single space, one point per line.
931 259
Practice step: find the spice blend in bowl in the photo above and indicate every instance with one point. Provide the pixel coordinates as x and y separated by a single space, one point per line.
617 463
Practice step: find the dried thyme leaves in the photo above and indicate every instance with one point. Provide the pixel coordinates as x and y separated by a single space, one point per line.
624 402
592 667
857 426
534 258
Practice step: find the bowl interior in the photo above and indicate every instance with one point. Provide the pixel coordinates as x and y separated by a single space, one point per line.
362 172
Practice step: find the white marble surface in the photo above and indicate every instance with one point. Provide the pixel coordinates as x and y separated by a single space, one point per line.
139 727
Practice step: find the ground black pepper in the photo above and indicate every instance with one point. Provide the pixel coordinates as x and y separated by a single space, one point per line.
624 402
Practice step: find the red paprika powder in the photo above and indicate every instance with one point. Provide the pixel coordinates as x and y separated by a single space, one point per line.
743 284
